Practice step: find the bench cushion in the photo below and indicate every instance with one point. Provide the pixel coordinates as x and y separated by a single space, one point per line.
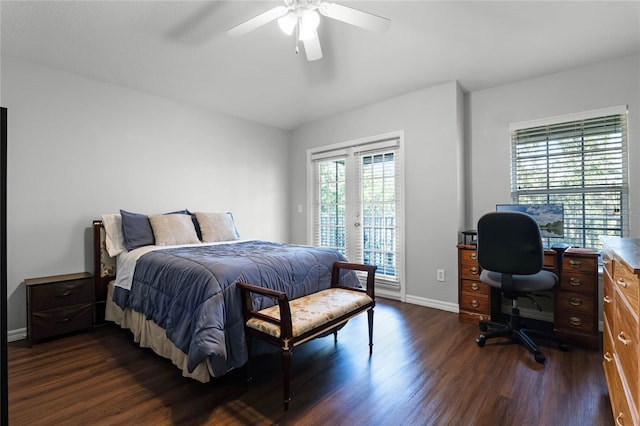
312 311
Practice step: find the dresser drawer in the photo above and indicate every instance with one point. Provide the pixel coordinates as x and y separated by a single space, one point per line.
475 302
627 283
474 286
61 320
567 301
608 298
49 296
625 339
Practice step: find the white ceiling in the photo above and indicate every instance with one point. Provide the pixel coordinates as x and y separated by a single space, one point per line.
179 49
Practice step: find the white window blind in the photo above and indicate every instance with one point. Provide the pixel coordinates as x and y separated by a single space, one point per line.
581 164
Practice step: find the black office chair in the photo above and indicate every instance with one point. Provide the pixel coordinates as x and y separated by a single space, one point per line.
511 256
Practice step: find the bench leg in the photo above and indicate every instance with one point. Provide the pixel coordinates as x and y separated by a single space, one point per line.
247 367
286 376
370 318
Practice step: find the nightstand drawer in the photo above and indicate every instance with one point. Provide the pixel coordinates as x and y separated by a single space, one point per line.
61 320
49 296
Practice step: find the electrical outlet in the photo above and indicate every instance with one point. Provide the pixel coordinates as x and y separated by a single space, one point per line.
440 274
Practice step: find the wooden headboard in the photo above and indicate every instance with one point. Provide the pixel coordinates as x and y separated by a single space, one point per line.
104 269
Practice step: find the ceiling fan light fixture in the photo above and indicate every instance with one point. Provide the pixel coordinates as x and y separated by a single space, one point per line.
288 22
309 21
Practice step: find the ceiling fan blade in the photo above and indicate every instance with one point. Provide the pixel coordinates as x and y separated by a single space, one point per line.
312 48
355 17
257 21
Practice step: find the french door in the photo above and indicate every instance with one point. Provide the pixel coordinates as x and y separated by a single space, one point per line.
357 203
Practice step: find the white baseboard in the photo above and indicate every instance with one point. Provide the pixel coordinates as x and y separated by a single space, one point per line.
431 303
15 335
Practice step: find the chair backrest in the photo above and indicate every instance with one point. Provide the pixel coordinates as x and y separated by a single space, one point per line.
509 243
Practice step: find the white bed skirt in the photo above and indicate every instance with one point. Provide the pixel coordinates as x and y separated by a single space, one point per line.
148 334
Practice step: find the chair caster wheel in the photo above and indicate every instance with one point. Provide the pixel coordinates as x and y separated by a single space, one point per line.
539 358
564 347
483 327
481 341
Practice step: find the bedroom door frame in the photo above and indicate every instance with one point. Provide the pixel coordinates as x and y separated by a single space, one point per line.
4 377
347 149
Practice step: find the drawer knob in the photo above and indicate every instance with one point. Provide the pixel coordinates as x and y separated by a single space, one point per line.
575 321
474 270
623 338
473 256
62 295
606 299
475 286
475 303
575 264
575 282
619 419
607 357
622 283
63 320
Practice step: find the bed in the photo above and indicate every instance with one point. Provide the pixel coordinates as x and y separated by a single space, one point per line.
178 296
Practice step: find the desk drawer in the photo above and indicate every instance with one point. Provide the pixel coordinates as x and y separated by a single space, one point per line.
584 265
475 302
474 286
469 271
577 282
567 301
576 322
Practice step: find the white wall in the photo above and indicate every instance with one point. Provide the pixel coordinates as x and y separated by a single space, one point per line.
490 112
430 119
78 148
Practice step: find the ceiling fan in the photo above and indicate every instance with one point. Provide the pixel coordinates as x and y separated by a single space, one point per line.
303 17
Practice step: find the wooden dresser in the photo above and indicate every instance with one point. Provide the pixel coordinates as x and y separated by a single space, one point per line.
58 304
621 260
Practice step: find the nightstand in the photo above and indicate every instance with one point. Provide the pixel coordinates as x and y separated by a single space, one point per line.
58 304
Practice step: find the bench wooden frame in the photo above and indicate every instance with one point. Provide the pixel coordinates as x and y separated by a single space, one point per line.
286 340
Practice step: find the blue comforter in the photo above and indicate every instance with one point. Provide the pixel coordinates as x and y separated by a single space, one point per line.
191 292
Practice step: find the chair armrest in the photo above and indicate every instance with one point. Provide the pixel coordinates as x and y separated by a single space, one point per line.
369 269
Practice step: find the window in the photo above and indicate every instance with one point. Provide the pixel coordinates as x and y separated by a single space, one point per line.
580 162
356 203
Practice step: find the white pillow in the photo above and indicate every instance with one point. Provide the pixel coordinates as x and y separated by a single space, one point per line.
173 229
113 231
216 227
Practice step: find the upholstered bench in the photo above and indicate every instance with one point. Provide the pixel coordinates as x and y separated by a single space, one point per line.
293 322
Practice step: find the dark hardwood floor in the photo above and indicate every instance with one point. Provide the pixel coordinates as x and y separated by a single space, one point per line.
425 370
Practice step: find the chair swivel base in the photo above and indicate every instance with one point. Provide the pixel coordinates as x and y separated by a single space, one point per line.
517 335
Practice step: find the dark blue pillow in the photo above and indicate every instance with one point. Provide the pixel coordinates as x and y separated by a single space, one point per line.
136 230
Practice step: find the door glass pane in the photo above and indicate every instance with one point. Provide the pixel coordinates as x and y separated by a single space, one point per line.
332 204
378 212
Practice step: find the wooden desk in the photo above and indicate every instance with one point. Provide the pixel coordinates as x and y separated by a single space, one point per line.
575 308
